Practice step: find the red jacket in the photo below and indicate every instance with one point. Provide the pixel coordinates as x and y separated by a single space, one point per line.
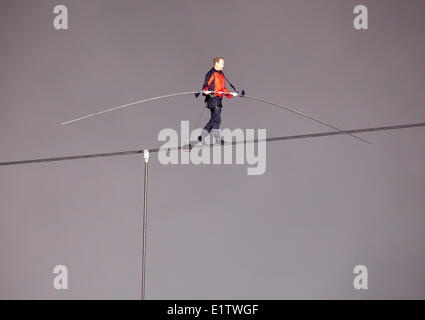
214 81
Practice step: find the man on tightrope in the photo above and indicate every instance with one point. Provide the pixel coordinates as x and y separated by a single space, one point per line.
215 81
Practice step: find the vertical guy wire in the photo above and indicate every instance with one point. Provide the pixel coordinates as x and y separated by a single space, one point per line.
145 222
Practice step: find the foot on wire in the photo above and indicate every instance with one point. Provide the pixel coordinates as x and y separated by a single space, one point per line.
219 141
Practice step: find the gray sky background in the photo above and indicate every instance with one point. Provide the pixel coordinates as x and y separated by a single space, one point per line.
323 206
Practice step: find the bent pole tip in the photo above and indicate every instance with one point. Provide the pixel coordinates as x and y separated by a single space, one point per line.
78 119
307 116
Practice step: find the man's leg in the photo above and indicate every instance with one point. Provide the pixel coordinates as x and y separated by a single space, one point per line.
216 117
209 124
211 105
207 129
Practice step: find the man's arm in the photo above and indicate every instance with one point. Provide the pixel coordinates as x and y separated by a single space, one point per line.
208 80
234 94
228 95
231 95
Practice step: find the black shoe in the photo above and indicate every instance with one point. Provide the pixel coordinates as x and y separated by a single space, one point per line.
187 147
219 141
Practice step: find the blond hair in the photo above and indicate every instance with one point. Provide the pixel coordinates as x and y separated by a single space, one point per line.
217 59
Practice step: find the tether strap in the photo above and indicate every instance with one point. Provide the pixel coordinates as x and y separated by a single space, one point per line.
233 87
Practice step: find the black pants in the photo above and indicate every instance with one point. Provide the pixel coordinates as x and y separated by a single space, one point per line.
215 107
